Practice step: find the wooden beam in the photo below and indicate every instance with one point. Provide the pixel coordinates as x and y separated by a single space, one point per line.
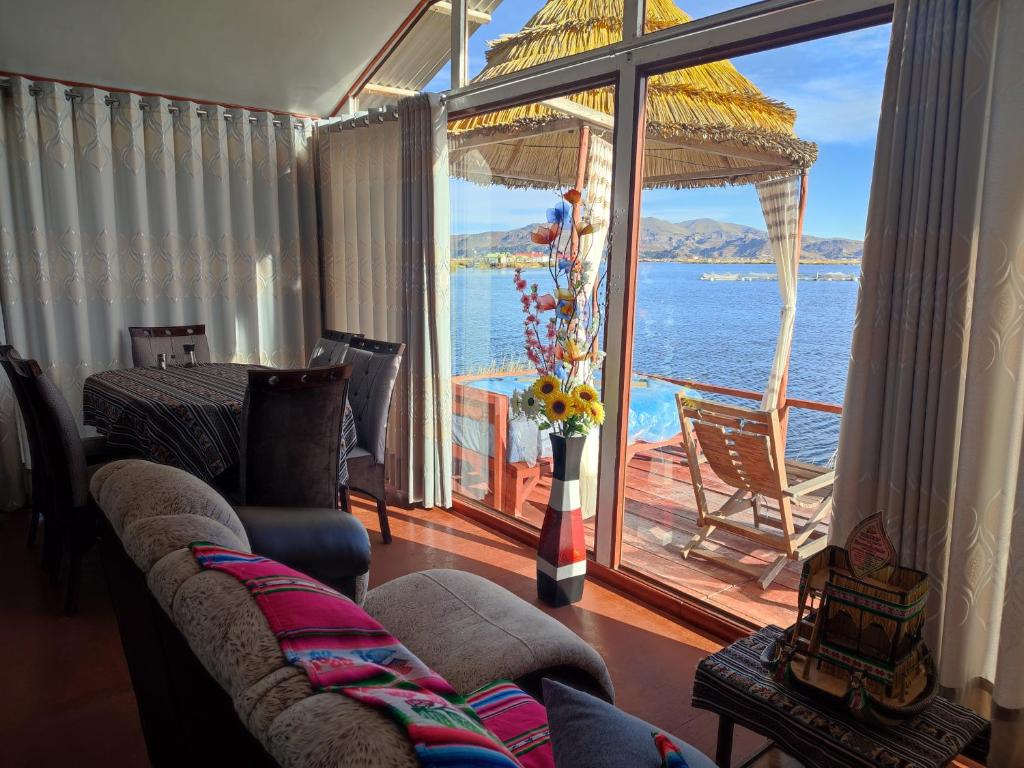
458 144
475 17
593 117
379 89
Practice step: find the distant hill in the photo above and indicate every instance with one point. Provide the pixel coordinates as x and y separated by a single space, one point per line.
696 240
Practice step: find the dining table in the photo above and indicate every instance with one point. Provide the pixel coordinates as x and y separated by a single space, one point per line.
185 416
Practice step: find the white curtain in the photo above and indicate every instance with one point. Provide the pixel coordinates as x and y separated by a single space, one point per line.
598 190
934 412
780 202
385 229
117 210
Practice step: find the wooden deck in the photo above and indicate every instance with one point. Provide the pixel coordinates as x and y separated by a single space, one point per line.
661 516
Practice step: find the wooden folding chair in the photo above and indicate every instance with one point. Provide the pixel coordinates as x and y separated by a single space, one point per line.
746 449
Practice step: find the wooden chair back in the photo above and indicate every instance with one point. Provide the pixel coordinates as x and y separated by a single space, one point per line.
744 446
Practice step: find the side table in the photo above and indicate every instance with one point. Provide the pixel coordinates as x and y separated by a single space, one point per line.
737 686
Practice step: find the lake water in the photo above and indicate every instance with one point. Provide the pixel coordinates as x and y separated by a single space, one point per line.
712 331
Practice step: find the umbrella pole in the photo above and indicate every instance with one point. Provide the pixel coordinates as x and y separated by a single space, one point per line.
781 403
581 179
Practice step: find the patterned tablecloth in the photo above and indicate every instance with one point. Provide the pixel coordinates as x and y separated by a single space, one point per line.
736 685
185 417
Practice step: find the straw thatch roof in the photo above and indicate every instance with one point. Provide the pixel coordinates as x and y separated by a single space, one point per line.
707 125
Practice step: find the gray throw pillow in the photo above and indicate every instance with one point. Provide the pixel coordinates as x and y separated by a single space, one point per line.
589 733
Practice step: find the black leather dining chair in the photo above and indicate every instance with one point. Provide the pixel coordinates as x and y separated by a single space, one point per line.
331 347
148 342
69 514
97 450
375 365
290 452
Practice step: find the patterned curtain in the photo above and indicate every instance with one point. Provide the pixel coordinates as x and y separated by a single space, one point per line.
117 210
780 203
934 413
385 229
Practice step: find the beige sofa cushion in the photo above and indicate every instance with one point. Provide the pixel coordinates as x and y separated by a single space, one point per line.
473 632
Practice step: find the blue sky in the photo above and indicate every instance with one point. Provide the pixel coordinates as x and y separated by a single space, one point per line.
834 84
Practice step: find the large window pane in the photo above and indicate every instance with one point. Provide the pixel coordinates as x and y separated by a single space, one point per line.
511 171
727 144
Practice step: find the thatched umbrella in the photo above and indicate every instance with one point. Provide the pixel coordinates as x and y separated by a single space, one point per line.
707 125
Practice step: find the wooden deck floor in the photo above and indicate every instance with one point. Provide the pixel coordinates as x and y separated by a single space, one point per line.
661 517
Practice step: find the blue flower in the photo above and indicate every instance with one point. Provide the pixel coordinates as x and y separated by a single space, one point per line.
559 213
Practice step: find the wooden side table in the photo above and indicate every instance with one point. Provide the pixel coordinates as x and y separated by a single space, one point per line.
735 684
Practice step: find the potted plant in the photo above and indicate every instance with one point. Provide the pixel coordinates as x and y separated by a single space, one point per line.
561 329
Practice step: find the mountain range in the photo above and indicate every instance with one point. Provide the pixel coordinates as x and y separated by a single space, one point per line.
703 240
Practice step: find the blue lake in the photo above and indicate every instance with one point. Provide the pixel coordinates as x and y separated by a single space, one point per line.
718 332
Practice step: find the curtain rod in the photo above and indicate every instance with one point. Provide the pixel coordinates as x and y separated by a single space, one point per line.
111 101
373 116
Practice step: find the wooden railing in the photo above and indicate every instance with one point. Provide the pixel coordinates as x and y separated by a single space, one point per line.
716 389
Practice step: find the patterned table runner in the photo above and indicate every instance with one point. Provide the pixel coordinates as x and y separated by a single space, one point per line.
734 683
185 417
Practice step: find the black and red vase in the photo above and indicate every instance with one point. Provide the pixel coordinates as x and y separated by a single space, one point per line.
562 555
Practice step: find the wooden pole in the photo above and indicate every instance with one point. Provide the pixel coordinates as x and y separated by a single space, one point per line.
581 178
782 403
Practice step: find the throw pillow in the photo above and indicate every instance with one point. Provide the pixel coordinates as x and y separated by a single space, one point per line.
589 733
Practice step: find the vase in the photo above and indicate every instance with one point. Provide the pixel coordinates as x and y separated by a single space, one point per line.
562 554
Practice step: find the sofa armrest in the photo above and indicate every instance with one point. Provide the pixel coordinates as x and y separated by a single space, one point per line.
328 544
473 632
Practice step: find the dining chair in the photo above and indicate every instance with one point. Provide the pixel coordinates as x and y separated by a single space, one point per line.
97 449
290 493
331 347
148 342
375 366
70 515
40 488
291 437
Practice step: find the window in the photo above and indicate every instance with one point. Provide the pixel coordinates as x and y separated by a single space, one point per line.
511 170
707 312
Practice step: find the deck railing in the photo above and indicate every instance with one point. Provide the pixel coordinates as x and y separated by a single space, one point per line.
716 389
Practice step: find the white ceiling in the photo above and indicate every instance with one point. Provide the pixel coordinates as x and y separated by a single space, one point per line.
287 55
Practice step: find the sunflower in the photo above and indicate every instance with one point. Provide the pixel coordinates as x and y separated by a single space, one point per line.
559 407
546 386
596 412
586 394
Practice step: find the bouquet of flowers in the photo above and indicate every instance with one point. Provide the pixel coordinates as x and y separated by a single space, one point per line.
561 328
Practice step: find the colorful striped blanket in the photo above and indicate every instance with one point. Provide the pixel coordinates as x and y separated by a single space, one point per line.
518 719
342 649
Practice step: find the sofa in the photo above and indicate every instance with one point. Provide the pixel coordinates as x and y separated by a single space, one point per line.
212 685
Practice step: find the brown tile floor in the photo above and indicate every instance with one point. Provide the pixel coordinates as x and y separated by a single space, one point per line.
67 696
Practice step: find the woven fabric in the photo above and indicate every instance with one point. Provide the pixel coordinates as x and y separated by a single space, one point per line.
518 719
735 683
185 417
343 650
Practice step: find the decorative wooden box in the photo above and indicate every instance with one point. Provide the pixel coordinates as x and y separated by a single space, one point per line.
857 638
